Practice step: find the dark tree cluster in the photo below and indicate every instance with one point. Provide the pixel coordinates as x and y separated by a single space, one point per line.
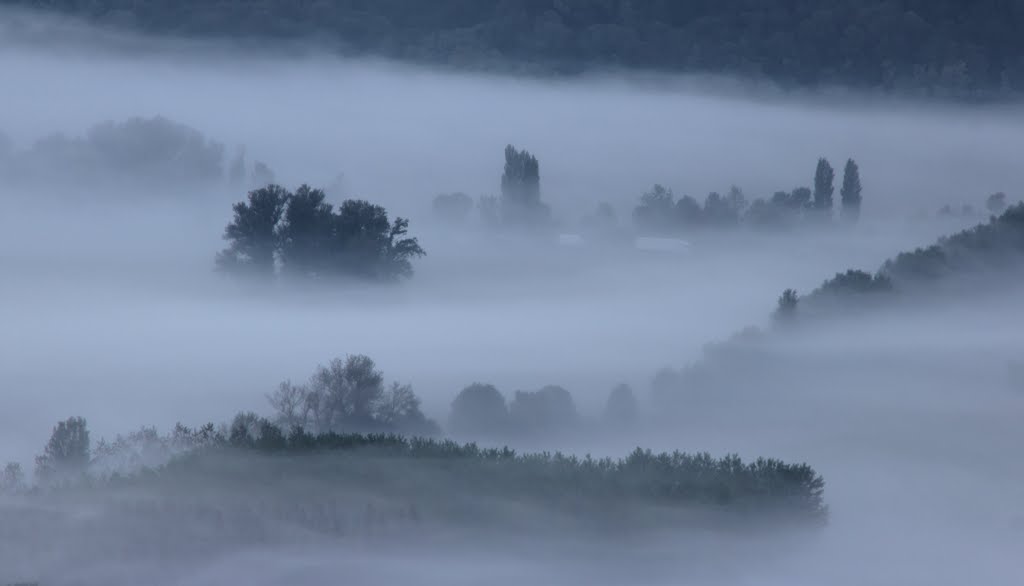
307 237
660 213
480 410
399 467
346 396
946 48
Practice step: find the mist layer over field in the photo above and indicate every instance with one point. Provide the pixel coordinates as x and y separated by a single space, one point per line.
111 309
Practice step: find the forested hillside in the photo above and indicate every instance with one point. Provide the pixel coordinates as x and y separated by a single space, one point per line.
935 47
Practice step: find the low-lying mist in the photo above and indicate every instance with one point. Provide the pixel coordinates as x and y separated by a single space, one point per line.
112 310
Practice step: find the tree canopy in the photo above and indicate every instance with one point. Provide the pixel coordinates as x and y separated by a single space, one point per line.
309 238
934 47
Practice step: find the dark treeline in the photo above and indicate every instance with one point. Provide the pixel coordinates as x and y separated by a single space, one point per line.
660 213
931 47
401 467
995 247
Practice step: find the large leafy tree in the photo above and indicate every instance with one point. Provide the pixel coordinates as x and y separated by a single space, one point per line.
311 239
252 233
304 235
479 409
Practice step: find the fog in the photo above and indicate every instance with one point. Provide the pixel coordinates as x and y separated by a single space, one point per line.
111 308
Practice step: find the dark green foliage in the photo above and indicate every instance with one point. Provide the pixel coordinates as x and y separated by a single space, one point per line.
349 395
479 410
850 192
824 186
384 464
720 211
306 232
656 212
996 244
550 409
520 190
252 234
853 281
66 455
785 311
311 240
622 408
933 47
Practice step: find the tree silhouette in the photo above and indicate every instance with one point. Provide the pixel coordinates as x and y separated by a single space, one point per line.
304 235
785 312
824 186
520 189
850 192
252 233
479 409
621 408
66 453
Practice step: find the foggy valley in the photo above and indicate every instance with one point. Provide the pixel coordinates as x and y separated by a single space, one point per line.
291 316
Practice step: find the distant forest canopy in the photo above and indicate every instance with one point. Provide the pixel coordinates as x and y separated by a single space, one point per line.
398 467
948 48
142 155
994 247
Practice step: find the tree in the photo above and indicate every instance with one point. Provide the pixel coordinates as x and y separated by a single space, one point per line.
655 213
292 405
304 235
719 211
520 189
252 233
479 409
799 199
399 251
12 479
621 408
549 409
66 454
786 310
367 245
824 186
850 192
348 393
399 408
689 212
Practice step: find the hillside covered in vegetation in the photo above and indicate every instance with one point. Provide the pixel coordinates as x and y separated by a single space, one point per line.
932 47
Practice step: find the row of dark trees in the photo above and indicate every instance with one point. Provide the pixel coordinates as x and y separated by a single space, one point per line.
399 466
660 213
936 47
307 237
480 410
995 245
